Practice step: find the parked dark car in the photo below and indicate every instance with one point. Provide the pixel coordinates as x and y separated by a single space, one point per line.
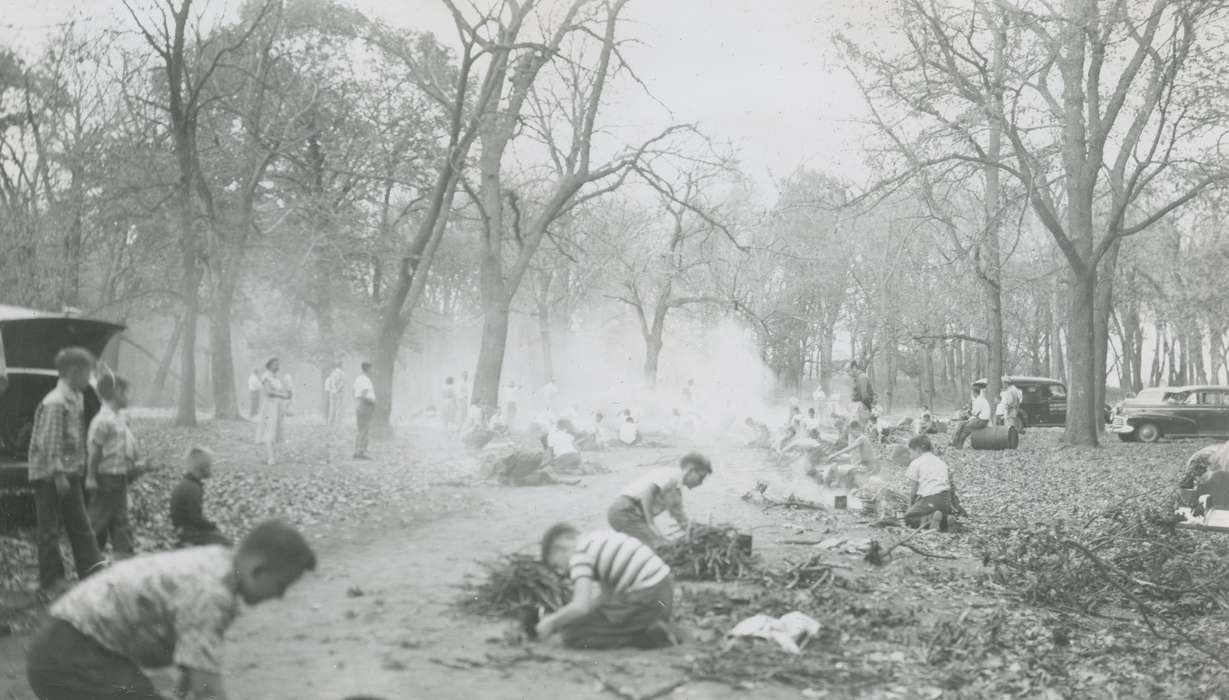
1176 411
1045 401
29 341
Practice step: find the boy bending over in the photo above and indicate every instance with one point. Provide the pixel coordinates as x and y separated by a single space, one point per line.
641 501
623 593
160 610
932 496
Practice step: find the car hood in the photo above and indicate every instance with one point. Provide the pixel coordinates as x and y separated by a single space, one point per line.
32 338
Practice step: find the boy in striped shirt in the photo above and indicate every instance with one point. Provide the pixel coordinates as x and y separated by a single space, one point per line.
623 593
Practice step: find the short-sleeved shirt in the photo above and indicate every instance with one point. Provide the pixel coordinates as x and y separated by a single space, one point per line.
113 441
618 562
57 440
253 382
981 408
669 485
930 473
158 610
364 389
561 443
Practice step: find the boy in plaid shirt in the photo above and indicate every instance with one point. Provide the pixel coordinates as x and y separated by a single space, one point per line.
111 463
57 466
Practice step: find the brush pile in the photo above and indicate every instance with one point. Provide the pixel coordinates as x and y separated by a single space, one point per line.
810 574
709 553
513 584
1126 556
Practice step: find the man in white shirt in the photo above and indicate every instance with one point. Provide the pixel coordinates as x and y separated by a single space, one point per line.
333 385
931 494
364 410
978 420
820 400
512 396
1012 399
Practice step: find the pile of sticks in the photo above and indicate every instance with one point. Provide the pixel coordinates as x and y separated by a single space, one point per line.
514 584
709 553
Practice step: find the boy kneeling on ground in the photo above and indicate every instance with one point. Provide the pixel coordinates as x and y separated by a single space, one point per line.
160 610
623 593
641 501
932 496
187 503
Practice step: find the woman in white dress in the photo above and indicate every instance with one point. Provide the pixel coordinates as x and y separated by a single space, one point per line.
273 394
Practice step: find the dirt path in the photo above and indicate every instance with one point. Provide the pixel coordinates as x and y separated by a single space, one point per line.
392 641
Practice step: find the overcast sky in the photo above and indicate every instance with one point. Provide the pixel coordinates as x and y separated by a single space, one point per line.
760 74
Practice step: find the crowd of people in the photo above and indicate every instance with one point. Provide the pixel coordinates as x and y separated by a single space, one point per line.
133 612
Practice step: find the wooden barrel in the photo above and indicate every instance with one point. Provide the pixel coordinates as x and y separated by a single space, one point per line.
995 437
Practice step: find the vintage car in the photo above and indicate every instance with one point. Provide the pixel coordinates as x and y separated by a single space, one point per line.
1045 401
29 341
1175 411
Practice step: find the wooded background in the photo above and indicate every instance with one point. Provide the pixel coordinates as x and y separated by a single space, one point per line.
1047 182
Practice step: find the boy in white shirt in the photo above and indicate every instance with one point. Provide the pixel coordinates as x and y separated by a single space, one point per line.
641 501
932 497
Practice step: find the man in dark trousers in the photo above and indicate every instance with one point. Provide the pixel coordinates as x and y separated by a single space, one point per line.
57 470
188 503
863 396
364 410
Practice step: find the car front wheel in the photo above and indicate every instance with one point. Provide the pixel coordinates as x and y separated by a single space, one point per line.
1148 433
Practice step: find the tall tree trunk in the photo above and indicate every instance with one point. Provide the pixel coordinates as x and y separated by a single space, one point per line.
1218 352
1101 329
495 317
991 259
930 376
157 393
185 414
1082 409
548 359
70 294
222 359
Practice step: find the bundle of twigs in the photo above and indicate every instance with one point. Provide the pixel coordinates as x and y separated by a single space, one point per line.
514 584
708 553
806 575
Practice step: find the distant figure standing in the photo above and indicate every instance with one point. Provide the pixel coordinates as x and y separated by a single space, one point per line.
273 394
333 386
463 396
254 394
112 459
449 399
863 396
512 396
57 467
364 410
689 391
820 400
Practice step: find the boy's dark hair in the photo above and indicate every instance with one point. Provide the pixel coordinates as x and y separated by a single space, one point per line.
448 380
854 425
269 363
599 416
366 367
555 532
921 442
108 384
279 545
696 461
69 359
